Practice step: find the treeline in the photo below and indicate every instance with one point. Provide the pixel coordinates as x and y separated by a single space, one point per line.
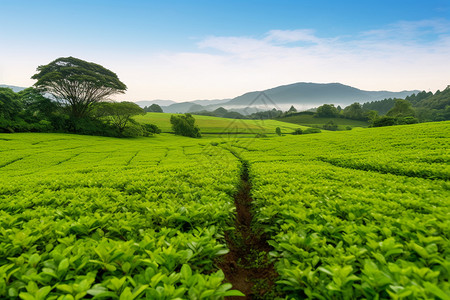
71 96
30 111
224 113
420 107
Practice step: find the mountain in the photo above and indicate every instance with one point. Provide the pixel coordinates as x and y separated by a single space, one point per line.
302 95
15 89
193 106
170 106
314 94
144 103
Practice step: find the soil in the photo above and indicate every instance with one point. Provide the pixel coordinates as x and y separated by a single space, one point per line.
247 266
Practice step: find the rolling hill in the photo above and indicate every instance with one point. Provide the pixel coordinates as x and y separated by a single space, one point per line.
302 95
214 125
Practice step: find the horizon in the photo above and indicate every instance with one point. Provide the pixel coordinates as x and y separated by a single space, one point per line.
188 51
227 99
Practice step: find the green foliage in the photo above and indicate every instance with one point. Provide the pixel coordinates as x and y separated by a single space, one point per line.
292 109
380 106
438 101
330 126
185 125
389 121
308 119
217 125
402 108
150 129
77 83
119 114
9 104
354 111
90 126
327 111
278 131
349 215
311 130
153 108
84 217
356 214
297 131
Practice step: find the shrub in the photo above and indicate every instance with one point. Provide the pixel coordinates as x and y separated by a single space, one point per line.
384 121
407 120
185 125
312 130
133 130
89 126
330 126
151 129
278 130
297 131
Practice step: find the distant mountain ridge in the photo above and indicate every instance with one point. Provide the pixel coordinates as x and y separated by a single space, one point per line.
319 93
302 95
15 89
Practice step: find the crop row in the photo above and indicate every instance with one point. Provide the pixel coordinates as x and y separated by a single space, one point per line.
340 231
106 218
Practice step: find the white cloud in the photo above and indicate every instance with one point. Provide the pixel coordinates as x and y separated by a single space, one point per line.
289 36
405 55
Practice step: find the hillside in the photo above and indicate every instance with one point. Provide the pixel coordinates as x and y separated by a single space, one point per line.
440 100
302 95
315 94
15 89
308 119
216 125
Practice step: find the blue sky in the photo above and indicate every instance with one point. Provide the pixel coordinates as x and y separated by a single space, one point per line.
186 50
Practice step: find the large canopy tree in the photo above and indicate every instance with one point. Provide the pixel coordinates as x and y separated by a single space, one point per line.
77 83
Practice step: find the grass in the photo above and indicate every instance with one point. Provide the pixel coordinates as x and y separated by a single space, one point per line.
311 121
215 125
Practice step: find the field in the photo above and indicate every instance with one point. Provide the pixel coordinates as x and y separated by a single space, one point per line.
310 120
214 125
338 215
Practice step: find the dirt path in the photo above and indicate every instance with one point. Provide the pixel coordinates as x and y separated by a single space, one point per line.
247 264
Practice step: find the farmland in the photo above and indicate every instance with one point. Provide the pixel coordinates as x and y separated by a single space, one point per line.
351 214
221 125
306 119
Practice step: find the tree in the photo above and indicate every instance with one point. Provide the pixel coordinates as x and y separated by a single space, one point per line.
185 125
9 110
298 131
9 104
371 115
118 113
154 108
220 111
36 105
402 108
278 131
77 84
150 129
292 110
327 111
330 125
354 111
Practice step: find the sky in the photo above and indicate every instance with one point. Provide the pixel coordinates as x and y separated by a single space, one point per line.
190 50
